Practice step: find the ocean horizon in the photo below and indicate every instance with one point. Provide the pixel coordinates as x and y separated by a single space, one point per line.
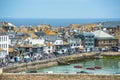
54 22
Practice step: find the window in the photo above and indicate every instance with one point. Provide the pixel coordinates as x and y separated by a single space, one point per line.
109 41
48 50
86 36
3 38
2 46
91 43
74 44
6 45
104 41
6 38
30 42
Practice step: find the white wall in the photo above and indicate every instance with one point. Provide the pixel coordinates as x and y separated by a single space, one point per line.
4 43
36 41
46 49
74 43
58 42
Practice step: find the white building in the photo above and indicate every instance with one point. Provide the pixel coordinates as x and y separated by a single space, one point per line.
4 45
49 48
58 42
74 42
34 41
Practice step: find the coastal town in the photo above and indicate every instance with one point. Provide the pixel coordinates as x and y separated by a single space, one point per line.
59 39
31 43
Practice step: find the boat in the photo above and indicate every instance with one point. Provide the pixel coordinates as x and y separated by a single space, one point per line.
82 72
50 72
77 66
97 67
63 63
90 68
32 71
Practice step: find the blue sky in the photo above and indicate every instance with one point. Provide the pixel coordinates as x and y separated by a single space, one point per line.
59 8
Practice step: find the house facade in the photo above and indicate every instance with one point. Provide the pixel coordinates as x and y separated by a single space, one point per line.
34 41
104 40
74 43
4 45
87 39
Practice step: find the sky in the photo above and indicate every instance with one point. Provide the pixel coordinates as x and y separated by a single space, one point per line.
59 8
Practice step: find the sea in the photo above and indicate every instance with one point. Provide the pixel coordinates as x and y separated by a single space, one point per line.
54 22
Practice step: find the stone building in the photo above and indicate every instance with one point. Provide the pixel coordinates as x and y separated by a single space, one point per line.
104 40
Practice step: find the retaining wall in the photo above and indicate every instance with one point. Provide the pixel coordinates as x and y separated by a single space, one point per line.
14 76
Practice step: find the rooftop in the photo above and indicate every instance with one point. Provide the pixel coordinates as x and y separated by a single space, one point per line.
102 35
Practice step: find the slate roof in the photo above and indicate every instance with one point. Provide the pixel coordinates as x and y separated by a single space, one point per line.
102 35
87 33
19 33
10 33
40 33
51 38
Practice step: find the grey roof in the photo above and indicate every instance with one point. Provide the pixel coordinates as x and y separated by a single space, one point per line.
28 35
40 33
87 33
10 33
102 35
19 33
51 38
73 40
111 24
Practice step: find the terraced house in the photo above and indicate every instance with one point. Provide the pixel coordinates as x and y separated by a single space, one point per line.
4 45
87 39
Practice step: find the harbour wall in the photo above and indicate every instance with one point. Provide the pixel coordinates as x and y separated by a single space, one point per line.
17 76
45 63
52 62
